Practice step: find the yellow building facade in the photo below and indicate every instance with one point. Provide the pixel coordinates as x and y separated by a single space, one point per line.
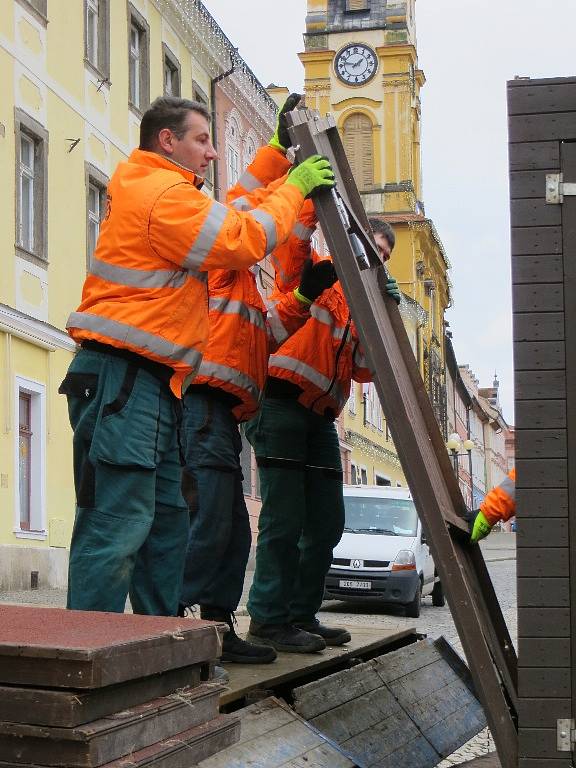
361 66
76 78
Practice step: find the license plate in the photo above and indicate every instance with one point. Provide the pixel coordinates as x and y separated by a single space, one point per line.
349 584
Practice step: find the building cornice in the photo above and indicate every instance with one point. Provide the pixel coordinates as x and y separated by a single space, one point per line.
371 448
34 331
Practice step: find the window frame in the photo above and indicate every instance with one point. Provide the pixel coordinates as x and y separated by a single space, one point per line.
135 19
37 479
38 8
102 66
170 61
24 125
94 177
201 97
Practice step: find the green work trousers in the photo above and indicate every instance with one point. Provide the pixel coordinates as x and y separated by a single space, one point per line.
302 515
131 527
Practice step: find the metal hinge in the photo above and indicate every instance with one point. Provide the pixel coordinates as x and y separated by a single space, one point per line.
566 735
556 188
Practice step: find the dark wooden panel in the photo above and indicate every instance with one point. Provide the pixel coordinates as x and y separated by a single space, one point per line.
541 414
529 183
541 532
533 241
540 443
541 99
547 127
543 563
542 473
537 326
542 713
537 269
539 502
534 212
549 762
537 592
539 298
543 683
543 622
539 355
539 385
534 155
537 742
544 651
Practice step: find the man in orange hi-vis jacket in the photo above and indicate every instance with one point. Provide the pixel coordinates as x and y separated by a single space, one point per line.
499 504
142 326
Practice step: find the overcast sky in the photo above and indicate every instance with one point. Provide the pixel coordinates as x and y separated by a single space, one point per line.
468 49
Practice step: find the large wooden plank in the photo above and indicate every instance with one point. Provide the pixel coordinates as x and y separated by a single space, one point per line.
110 738
547 127
543 683
538 592
539 298
541 414
545 268
540 443
542 98
53 647
543 713
545 531
46 706
549 762
529 183
534 155
534 325
547 562
538 742
539 385
544 651
543 473
536 241
543 622
540 503
534 212
539 355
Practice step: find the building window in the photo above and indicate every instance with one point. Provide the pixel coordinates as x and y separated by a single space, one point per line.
381 479
363 476
249 151
97 36
352 399
96 184
359 148
30 462
171 73
357 5
39 8
233 166
31 216
138 61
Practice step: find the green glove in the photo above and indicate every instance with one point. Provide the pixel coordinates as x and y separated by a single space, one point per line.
314 280
312 174
281 139
393 290
481 528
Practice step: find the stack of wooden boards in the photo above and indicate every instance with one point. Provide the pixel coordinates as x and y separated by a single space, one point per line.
81 690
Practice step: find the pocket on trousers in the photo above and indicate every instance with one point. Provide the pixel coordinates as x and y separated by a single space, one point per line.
127 430
82 385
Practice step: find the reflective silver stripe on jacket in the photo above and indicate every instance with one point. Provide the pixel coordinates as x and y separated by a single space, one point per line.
233 307
359 359
249 181
206 237
134 337
326 317
284 276
267 221
313 376
241 204
509 487
276 326
302 232
139 278
231 375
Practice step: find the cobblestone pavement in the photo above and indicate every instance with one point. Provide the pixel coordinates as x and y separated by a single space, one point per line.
500 554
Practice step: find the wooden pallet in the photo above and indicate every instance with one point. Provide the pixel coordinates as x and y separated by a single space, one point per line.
113 737
54 647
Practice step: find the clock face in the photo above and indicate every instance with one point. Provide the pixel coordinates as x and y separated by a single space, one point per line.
356 64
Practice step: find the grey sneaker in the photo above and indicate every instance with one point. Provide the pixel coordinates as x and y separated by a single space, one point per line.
285 637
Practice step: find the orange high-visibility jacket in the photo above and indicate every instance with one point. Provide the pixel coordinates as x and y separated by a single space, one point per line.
242 327
325 354
146 287
500 502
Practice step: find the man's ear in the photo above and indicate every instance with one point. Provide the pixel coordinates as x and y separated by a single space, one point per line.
166 141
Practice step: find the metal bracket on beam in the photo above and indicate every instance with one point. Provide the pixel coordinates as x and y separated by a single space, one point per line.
556 188
566 735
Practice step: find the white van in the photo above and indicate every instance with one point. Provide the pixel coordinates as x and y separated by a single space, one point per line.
383 554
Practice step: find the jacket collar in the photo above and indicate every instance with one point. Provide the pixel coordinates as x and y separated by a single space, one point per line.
154 160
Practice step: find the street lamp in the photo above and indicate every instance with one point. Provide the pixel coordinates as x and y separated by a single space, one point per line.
459 447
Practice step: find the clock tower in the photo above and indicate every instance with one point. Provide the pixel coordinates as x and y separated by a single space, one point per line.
361 65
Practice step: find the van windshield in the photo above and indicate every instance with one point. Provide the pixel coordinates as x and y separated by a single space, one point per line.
393 517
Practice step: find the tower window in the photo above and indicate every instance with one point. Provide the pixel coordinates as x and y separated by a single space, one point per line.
357 5
357 140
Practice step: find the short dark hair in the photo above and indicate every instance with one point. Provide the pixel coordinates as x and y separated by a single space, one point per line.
167 112
380 227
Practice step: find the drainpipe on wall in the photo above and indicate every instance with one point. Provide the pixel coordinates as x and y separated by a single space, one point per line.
213 83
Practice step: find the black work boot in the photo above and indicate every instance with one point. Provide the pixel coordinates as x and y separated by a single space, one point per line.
234 649
285 637
331 635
